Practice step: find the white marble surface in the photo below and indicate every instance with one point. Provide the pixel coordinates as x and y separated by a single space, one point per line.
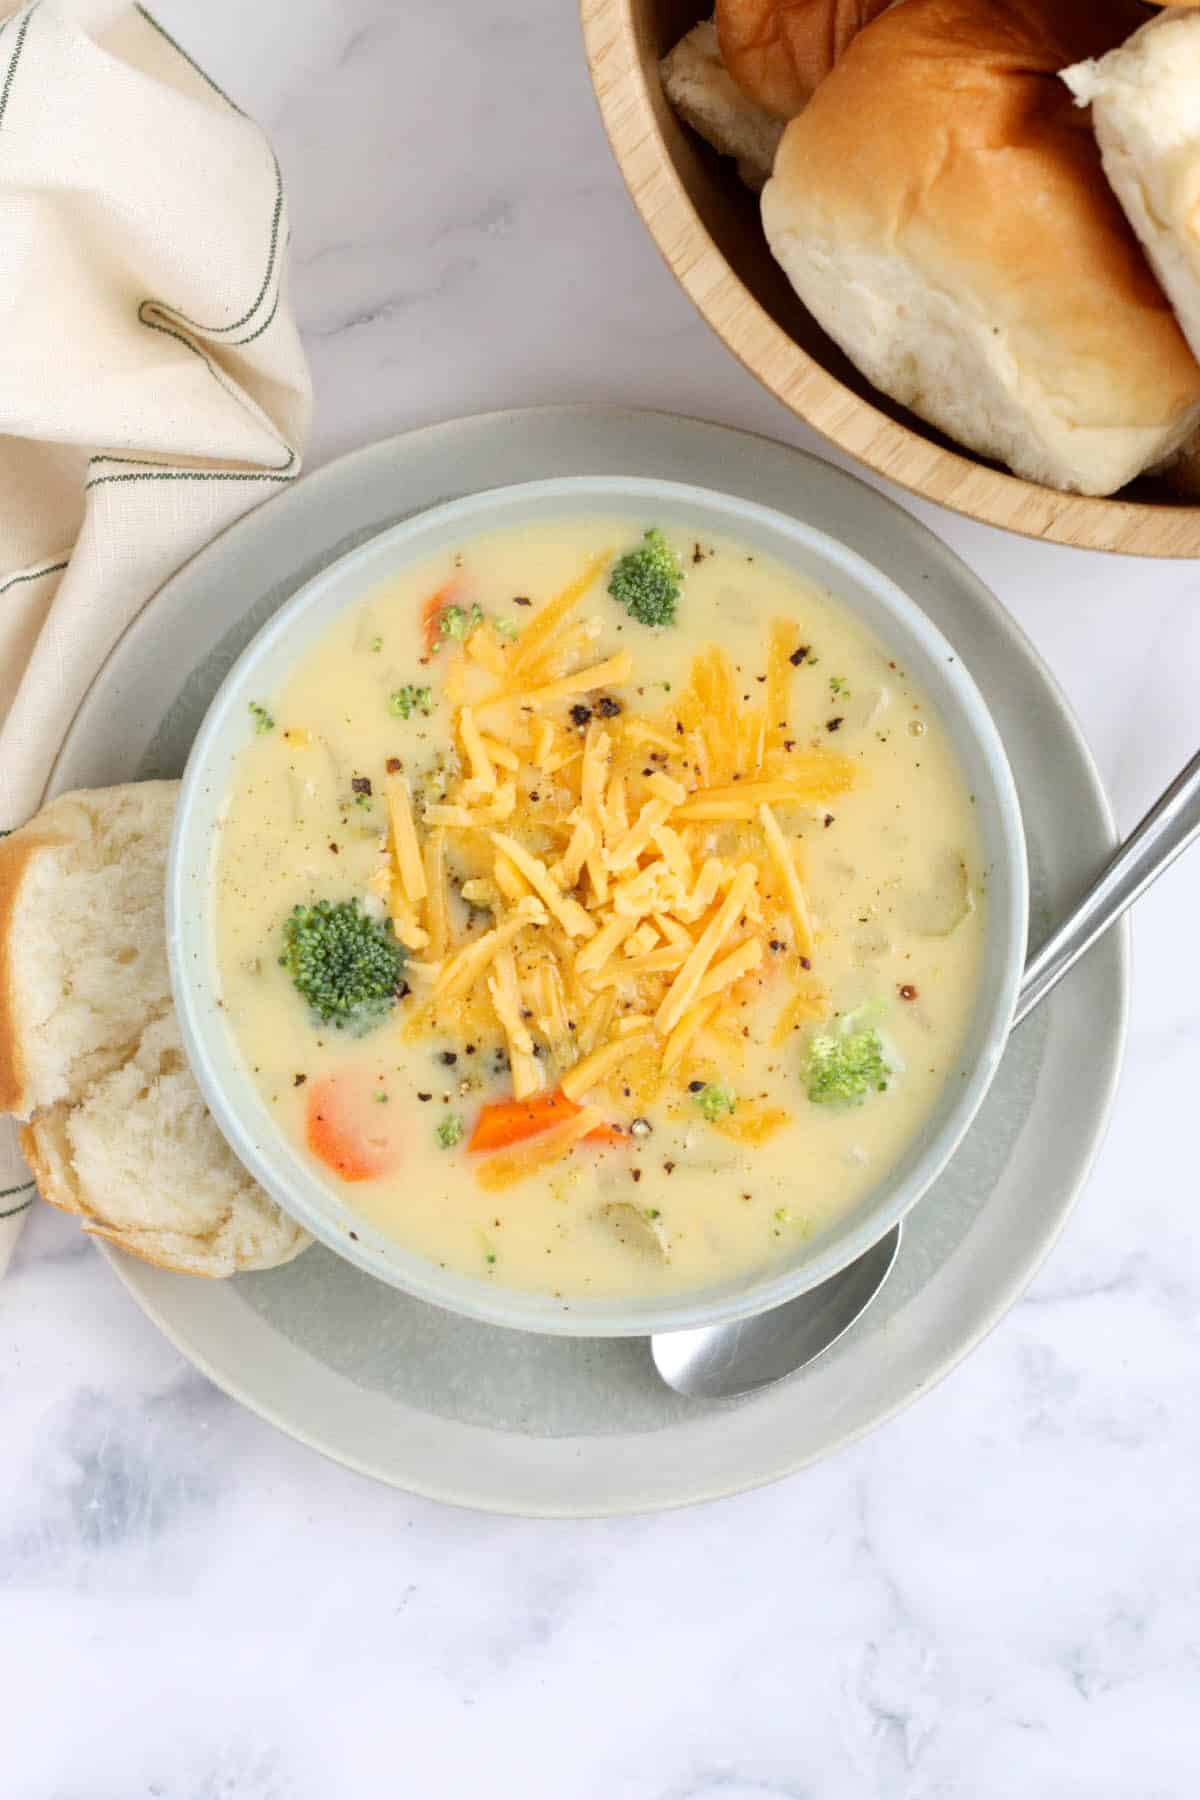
997 1595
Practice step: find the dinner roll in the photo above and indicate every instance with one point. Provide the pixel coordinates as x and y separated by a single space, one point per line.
90 1051
778 51
140 1160
83 961
1145 101
706 97
967 253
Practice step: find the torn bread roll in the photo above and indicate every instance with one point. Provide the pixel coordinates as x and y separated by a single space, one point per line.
140 1160
779 51
966 252
705 96
1145 101
90 1051
83 960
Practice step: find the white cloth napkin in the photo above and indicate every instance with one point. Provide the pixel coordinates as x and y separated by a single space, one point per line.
152 384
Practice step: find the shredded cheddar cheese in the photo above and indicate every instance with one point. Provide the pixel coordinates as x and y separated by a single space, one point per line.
610 673
502 755
753 1125
570 915
731 968
404 920
460 972
477 752
789 877
741 799
410 870
690 1025
582 841
505 991
634 867
609 938
684 988
593 1069
630 846
437 910
541 631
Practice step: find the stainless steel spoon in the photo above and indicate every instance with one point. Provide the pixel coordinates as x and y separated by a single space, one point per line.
720 1361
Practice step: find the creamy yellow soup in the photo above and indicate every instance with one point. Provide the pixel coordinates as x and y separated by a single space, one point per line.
691 914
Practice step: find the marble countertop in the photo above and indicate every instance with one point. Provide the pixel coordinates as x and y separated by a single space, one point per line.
998 1593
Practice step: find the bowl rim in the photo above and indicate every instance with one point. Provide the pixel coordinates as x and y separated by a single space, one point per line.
619 63
209 1042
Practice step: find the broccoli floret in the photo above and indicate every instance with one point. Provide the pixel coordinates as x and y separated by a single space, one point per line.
263 722
347 965
714 1101
409 699
842 1070
647 580
456 622
449 1131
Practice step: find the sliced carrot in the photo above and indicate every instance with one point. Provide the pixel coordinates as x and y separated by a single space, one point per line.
607 1134
507 1122
347 1128
431 615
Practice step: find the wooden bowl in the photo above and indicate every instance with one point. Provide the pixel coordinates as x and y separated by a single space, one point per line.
706 224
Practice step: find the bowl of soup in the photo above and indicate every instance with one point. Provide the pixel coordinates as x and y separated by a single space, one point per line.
597 906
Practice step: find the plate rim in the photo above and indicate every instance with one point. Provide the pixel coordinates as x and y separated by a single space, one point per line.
134 1276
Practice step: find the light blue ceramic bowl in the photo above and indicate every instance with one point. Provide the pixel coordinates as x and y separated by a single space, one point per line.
321 1205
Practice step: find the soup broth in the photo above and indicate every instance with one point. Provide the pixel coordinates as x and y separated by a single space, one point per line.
654 944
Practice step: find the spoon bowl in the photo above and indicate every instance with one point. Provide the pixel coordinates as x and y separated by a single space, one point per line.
722 1362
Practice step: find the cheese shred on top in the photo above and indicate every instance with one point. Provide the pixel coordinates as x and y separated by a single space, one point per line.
640 871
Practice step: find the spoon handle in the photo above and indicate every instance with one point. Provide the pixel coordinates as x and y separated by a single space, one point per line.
1167 830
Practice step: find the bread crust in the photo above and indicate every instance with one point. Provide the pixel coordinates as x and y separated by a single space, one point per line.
1144 100
237 1225
58 1193
779 51
705 96
54 1184
51 1189
17 852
